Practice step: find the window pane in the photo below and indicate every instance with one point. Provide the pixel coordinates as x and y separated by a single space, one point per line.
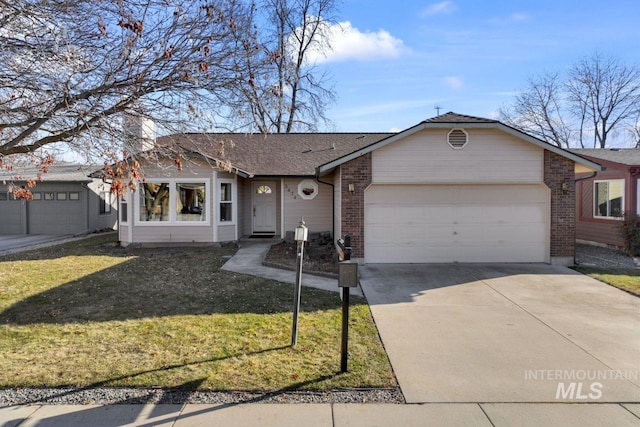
123 212
601 198
61 196
105 202
36 196
263 189
225 192
154 201
74 196
190 201
48 195
615 199
226 211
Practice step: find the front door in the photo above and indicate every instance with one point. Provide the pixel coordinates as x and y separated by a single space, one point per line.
264 206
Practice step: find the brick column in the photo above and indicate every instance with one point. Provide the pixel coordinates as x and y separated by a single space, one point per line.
358 173
559 170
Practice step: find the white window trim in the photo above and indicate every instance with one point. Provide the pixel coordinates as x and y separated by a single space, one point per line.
234 201
172 202
308 183
595 208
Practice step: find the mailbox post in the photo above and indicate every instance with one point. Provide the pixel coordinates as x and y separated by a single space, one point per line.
301 235
347 279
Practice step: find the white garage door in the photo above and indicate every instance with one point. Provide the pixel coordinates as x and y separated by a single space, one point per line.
456 223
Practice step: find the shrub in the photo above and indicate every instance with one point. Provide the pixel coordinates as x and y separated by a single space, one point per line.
630 232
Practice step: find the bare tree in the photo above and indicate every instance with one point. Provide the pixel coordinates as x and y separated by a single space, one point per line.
539 111
606 92
597 99
281 90
69 70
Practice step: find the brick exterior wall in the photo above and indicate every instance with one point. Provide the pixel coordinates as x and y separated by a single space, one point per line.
357 172
559 170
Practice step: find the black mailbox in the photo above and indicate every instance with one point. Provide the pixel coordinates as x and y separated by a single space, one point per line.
348 274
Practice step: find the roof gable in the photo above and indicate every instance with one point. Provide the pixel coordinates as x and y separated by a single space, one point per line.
452 120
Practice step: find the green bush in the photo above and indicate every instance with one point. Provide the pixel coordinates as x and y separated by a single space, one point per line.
630 232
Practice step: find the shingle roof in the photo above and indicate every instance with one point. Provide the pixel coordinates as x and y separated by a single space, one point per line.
292 154
625 156
452 117
62 172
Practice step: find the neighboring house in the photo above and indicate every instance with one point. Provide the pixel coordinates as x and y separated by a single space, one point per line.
453 188
66 201
604 198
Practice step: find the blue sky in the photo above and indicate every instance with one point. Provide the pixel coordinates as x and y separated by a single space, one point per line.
394 61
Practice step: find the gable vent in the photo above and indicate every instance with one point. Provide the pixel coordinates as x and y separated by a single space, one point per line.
457 138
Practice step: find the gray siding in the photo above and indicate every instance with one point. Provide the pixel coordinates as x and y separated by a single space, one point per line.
490 156
61 215
12 213
97 220
226 233
317 212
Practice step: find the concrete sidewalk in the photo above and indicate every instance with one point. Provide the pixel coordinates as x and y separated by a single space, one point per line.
321 415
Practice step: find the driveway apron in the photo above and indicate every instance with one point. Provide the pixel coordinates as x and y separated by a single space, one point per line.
505 333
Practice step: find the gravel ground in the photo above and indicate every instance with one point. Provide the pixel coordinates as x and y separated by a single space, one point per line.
596 256
114 396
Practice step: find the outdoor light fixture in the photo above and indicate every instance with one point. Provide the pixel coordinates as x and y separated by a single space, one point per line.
302 232
352 187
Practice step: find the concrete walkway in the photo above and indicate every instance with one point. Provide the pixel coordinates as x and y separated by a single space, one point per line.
323 415
248 260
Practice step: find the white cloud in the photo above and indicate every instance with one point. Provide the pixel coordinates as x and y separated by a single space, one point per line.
518 17
444 7
453 82
349 43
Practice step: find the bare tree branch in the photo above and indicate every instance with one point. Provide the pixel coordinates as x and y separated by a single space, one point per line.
598 98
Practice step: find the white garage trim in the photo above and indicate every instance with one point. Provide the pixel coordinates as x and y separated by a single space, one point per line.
457 223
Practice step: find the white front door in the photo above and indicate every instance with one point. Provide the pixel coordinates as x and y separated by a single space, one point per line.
264 206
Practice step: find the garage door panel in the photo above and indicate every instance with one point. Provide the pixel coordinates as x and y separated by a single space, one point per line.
464 223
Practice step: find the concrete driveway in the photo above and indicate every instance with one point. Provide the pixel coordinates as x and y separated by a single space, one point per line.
14 242
505 333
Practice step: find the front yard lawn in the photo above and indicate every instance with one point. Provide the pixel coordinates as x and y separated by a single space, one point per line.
91 314
626 279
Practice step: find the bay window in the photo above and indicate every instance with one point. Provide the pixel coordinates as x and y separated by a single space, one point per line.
169 201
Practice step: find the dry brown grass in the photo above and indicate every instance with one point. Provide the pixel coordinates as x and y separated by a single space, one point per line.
89 313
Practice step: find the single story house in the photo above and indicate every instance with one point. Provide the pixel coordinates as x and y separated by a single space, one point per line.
603 199
453 188
66 201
